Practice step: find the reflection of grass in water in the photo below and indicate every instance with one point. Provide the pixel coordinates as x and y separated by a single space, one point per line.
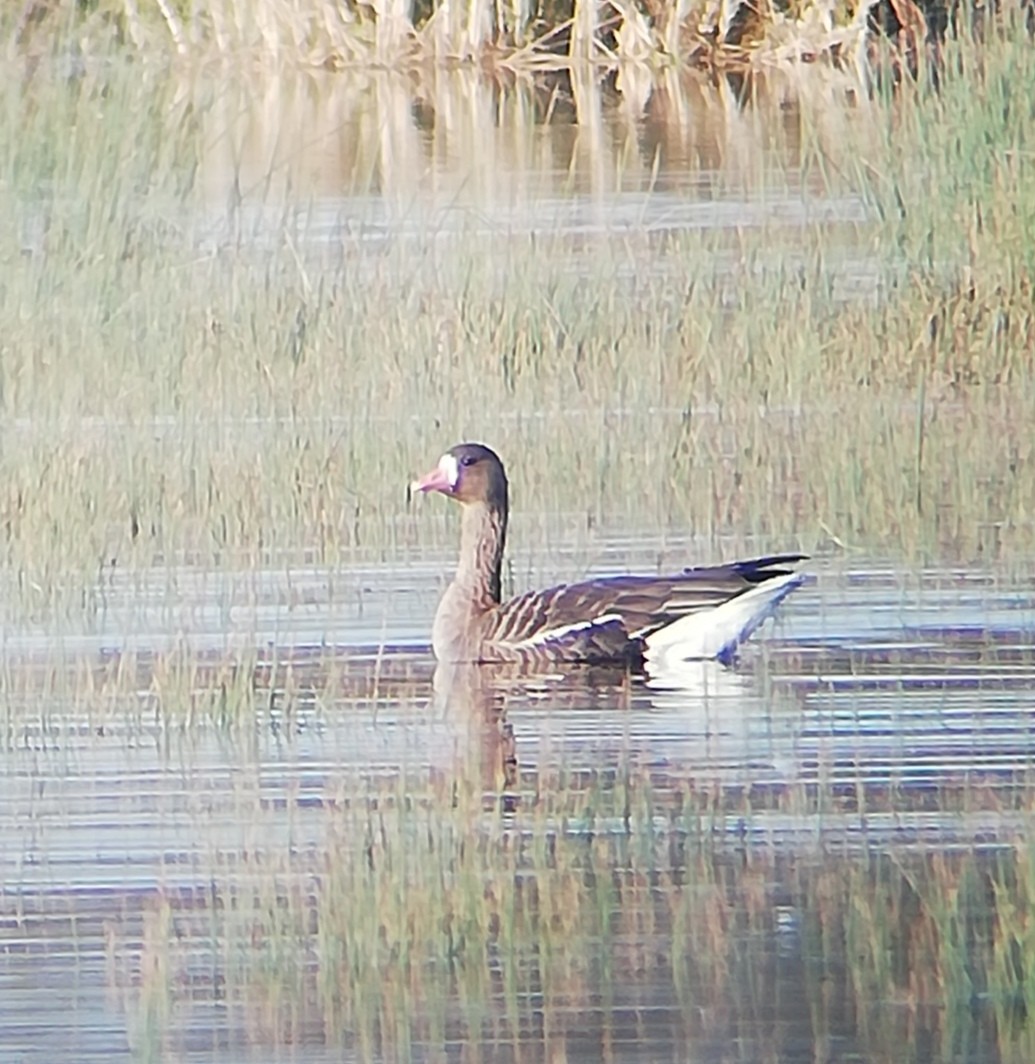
406 907
250 401
420 921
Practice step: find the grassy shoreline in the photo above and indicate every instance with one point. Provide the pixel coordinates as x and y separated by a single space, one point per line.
516 36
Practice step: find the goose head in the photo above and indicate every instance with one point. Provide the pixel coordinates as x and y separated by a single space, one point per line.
471 473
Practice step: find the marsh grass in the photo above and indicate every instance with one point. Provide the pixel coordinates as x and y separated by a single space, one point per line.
186 387
166 397
406 906
413 925
504 36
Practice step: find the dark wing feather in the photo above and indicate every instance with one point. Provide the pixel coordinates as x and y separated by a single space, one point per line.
608 618
753 570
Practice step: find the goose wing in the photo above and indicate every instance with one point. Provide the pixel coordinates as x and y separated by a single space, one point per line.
609 618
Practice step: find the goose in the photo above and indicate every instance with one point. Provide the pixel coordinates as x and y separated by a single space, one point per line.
632 621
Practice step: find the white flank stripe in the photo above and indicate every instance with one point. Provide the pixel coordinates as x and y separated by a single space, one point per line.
551 635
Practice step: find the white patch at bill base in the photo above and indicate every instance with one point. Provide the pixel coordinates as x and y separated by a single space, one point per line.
450 468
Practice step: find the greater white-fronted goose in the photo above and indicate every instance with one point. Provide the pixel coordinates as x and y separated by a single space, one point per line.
699 613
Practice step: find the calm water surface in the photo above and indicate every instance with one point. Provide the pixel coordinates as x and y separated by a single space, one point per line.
903 698
369 162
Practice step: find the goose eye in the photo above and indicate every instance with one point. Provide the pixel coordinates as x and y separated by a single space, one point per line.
467 460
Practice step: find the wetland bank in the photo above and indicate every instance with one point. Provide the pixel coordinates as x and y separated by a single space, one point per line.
241 818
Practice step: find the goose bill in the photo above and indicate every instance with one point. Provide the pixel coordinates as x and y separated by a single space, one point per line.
442 478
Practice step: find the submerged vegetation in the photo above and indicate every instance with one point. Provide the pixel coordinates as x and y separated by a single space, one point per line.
323 862
607 918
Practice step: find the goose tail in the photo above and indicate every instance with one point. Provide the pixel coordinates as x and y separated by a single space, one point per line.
716 633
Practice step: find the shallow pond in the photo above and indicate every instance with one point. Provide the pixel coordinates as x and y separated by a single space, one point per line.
163 779
243 816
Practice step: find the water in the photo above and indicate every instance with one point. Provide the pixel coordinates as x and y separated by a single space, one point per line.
366 162
243 817
885 716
